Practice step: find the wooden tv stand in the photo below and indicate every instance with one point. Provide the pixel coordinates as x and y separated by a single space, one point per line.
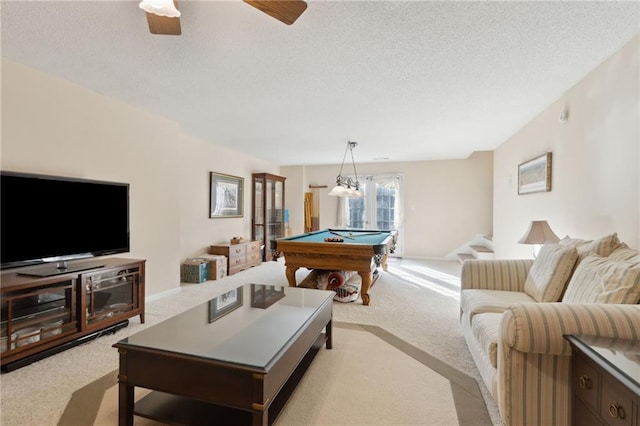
42 315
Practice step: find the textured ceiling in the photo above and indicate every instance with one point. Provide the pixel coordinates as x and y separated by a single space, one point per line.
407 80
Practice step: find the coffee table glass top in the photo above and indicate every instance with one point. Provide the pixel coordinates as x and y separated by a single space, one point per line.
229 329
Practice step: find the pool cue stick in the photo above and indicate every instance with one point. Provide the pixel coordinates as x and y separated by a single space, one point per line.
370 233
340 235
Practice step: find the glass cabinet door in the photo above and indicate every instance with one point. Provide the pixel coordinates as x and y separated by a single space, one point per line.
110 293
275 210
34 316
258 208
268 210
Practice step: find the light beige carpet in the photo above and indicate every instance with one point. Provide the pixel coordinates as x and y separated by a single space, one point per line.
370 377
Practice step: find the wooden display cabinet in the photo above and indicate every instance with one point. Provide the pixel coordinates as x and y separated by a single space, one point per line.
267 221
44 315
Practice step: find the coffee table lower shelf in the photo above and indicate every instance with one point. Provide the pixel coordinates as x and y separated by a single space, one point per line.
182 411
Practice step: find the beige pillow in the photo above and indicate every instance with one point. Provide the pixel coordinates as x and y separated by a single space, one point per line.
602 247
550 272
626 254
601 280
567 241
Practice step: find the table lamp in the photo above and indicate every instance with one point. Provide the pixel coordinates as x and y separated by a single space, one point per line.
539 232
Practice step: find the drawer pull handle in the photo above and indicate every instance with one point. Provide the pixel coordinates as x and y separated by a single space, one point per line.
584 381
616 411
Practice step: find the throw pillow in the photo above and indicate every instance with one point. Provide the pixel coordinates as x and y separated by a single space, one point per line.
601 280
567 241
602 247
626 254
550 272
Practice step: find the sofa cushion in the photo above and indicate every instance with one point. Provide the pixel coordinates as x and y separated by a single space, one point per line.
625 254
602 280
568 241
602 246
550 272
474 302
486 329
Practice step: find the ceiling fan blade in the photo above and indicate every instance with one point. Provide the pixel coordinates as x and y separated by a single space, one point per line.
286 11
164 25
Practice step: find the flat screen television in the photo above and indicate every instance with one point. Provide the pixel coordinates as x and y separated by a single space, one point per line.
52 219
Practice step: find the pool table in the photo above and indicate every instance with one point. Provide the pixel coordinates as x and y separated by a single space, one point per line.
360 250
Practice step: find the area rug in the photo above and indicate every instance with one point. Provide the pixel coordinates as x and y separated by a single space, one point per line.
370 377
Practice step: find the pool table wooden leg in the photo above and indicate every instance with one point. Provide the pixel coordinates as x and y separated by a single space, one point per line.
384 262
291 275
366 284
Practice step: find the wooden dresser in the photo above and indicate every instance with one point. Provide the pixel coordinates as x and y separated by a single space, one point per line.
605 381
239 256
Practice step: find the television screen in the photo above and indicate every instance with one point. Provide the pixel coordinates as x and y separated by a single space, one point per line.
50 218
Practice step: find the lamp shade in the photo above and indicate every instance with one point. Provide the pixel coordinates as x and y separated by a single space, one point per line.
160 8
338 191
539 232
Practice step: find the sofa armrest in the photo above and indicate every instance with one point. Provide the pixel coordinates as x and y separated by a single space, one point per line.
540 327
534 358
505 275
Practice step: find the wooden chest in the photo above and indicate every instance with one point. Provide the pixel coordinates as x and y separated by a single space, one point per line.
239 256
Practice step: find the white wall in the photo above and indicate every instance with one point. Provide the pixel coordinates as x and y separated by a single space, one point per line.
55 127
51 126
447 202
295 187
596 183
197 159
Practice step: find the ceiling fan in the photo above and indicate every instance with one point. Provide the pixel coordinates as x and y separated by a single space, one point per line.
163 16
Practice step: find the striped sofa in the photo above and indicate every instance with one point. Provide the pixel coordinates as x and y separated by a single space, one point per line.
514 314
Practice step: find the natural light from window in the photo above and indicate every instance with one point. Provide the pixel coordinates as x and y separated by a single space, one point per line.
442 282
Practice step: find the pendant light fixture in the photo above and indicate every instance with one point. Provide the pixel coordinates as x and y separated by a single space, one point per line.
347 186
160 8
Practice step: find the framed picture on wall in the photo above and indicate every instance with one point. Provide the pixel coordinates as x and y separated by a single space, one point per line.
226 194
535 175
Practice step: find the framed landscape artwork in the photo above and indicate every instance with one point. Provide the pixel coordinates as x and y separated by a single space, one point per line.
226 194
535 175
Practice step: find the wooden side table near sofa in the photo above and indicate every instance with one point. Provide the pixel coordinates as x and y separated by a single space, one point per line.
605 381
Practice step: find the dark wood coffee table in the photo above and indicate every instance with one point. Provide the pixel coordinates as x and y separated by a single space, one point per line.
225 359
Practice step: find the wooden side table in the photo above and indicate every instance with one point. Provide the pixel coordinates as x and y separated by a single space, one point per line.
605 381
